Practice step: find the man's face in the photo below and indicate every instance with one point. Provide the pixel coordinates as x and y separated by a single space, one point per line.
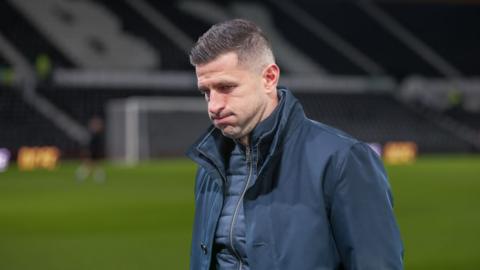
236 95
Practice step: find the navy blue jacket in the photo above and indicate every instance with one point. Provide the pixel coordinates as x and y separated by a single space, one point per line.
320 199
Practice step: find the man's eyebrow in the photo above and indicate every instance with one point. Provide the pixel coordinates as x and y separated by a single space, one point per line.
220 82
225 82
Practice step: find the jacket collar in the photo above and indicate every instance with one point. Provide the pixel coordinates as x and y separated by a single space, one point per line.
212 149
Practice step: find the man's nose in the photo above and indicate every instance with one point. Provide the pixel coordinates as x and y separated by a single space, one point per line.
216 103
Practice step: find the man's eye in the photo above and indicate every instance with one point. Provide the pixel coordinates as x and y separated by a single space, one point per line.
226 87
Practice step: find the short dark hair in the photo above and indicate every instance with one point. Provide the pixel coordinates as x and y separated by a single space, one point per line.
243 37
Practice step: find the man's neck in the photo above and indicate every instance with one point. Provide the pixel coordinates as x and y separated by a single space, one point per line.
245 140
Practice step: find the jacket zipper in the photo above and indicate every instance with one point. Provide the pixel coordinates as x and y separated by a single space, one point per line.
240 200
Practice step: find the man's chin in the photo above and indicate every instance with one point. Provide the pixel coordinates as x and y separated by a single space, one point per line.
229 133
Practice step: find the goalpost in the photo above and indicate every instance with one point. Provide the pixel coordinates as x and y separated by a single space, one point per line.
143 128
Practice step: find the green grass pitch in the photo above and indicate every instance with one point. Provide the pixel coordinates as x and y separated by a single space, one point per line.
140 218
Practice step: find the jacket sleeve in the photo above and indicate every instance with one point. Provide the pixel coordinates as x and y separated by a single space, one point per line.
361 212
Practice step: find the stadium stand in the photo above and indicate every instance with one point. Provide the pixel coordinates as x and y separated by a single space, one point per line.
469 118
21 125
26 38
321 52
82 104
450 29
380 118
172 57
380 45
3 62
371 116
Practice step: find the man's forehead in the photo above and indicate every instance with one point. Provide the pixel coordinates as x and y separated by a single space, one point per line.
223 69
223 62
207 81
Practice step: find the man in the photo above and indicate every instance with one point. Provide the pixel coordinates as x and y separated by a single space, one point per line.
92 155
274 189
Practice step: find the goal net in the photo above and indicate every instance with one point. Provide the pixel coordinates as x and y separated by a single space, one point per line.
143 128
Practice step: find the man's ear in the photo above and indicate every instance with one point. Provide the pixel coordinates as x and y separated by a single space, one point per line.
270 77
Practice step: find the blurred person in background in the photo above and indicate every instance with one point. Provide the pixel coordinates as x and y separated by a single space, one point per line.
93 154
274 189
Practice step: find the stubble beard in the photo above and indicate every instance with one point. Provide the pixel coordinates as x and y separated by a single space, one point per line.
238 132
241 131
230 131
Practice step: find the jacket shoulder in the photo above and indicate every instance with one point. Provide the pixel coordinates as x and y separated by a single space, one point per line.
330 139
